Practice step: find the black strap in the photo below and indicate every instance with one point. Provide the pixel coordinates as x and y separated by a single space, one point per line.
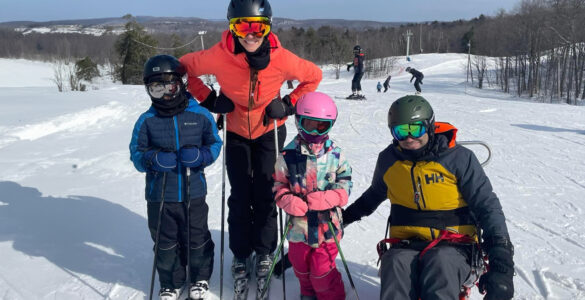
439 219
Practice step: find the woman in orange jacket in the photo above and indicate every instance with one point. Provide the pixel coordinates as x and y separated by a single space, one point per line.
250 66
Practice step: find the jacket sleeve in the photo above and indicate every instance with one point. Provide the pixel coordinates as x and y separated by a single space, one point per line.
477 191
305 72
367 203
285 199
139 143
343 176
197 64
211 145
281 183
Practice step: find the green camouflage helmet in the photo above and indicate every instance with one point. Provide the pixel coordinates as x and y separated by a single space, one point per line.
409 109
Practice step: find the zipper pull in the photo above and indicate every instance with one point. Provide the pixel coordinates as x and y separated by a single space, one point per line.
416 198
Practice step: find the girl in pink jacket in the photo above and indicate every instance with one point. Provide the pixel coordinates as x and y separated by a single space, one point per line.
312 181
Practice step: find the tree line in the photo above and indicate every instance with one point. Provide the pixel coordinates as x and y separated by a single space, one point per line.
537 50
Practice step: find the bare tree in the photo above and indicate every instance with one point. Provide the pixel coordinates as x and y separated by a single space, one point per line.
59 74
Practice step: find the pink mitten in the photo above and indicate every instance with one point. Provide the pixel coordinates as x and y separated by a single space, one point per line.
292 205
323 200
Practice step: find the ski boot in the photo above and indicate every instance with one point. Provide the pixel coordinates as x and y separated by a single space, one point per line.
352 96
241 269
361 97
169 294
263 265
418 93
199 290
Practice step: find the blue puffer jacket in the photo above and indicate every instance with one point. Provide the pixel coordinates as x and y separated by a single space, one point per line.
193 127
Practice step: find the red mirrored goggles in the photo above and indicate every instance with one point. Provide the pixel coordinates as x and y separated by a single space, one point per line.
257 26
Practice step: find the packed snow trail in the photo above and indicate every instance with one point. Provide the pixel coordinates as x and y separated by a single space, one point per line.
73 214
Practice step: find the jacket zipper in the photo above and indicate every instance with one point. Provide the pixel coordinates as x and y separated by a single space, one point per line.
414 186
179 177
422 195
253 80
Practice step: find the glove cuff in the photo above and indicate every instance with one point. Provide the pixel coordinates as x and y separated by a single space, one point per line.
498 241
209 102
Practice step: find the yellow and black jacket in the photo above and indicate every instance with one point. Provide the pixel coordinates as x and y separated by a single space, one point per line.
444 189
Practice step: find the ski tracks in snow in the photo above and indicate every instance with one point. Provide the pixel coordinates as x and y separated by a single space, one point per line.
98 118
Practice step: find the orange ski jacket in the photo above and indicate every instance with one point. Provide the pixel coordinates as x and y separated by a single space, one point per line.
249 89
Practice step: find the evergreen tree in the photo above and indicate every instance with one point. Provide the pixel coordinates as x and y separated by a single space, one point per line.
178 42
134 47
86 69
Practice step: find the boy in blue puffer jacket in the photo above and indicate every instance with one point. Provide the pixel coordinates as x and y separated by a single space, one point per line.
173 135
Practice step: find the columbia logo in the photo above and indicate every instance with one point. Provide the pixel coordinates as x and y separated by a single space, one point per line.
190 123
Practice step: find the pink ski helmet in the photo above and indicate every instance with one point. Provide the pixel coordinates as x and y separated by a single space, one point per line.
315 115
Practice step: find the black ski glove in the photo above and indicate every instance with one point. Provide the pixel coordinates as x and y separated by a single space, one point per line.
348 67
278 109
218 104
348 217
498 282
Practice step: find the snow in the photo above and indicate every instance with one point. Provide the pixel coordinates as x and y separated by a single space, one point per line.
73 215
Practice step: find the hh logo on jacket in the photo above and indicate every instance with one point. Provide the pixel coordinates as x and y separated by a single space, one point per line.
434 178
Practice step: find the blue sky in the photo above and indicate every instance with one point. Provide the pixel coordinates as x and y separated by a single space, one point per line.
377 10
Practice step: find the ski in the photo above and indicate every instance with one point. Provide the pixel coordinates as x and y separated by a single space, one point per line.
362 98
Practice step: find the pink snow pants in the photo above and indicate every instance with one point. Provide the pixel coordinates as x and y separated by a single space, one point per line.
316 271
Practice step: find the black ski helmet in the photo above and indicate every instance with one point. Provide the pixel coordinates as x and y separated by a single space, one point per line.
357 49
407 69
412 108
162 64
249 8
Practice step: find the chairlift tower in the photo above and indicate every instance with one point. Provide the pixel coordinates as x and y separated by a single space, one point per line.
408 36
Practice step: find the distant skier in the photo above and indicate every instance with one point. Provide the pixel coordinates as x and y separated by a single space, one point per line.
358 68
387 83
419 77
379 87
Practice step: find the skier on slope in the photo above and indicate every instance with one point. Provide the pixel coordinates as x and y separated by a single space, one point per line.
379 87
387 83
419 77
312 180
165 151
439 194
251 65
358 69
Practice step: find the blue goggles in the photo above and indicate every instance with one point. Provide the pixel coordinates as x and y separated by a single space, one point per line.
414 130
314 125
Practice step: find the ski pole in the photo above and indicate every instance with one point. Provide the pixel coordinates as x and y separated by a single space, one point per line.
278 250
160 212
223 167
343 260
279 214
188 194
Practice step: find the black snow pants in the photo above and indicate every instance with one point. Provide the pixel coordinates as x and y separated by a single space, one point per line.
171 260
417 84
356 82
252 210
438 275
